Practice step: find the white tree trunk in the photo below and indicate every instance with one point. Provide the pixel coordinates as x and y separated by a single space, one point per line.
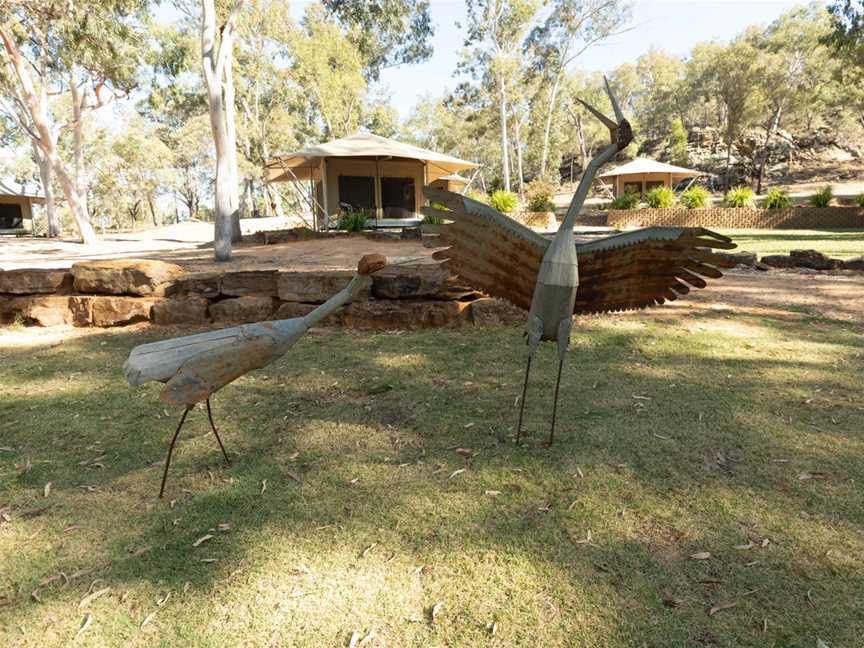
79 98
214 63
550 113
46 176
505 146
231 128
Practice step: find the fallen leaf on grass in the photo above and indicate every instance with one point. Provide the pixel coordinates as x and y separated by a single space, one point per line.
47 490
368 549
492 492
5 600
435 611
302 569
71 527
587 540
139 552
294 476
147 620
579 472
700 555
456 472
85 623
223 527
263 486
202 540
207 560
492 627
465 452
720 607
87 600
749 545
811 475
355 638
162 601
35 595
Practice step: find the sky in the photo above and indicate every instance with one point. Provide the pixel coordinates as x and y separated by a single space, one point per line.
673 25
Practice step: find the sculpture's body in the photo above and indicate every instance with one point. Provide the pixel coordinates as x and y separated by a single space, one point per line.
196 366
506 259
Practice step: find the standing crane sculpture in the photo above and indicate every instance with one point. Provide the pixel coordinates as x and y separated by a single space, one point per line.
196 366
620 272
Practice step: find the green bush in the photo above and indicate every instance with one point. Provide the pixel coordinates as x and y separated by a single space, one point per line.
777 199
479 196
740 197
354 220
695 197
678 142
860 200
538 194
504 201
625 201
660 198
823 197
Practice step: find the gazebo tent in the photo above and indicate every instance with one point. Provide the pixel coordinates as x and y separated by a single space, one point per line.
365 171
16 208
642 175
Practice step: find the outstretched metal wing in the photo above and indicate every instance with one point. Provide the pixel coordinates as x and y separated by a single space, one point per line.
625 271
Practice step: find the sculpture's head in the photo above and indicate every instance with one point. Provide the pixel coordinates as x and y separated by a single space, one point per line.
619 128
370 263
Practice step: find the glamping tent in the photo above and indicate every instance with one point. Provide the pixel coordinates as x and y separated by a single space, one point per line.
365 171
16 208
642 175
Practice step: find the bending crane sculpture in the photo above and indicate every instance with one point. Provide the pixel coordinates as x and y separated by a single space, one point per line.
196 366
620 272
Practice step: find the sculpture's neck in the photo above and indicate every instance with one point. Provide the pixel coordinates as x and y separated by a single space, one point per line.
357 283
585 185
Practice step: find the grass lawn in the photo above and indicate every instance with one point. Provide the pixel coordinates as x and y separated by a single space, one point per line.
705 490
842 244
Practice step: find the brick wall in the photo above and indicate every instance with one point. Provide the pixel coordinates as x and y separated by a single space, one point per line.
733 218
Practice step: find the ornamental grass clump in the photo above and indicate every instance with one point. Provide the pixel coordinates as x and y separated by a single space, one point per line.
504 201
627 201
695 197
660 198
741 197
777 199
823 197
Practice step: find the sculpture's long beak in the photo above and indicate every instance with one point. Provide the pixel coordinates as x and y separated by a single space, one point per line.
621 132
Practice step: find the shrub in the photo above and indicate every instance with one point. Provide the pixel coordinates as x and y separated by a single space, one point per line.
354 220
860 200
660 198
777 199
740 197
479 196
625 201
695 197
539 195
504 201
678 142
823 197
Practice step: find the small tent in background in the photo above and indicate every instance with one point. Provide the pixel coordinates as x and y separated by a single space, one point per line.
16 208
642 175
365 171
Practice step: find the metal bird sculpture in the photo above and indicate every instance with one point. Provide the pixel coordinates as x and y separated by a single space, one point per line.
621 272
196 366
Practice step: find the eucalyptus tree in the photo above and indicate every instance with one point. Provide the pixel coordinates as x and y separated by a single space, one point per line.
89 50
387 33
570 28
495 30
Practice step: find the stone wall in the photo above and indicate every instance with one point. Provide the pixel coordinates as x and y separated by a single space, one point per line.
118 293
734 218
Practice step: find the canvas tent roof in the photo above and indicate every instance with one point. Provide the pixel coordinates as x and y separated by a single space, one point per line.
8 188
360 145
644 165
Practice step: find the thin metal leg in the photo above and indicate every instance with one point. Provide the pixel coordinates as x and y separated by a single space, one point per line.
170 450
555 404
213 426
522 402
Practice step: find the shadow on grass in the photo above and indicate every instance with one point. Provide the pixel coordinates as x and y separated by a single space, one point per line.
682 440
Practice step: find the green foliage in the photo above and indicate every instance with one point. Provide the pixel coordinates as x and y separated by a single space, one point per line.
660 198
740 197
823 197
777 199
479 196
625 201
860 200
504 201
678 143
696 197
354 220
434 219
539 195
